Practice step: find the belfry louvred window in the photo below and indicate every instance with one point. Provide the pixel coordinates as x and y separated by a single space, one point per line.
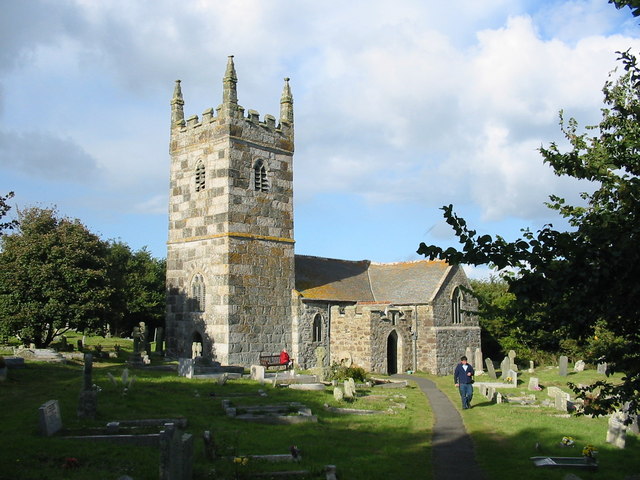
200 176
260 182
197 299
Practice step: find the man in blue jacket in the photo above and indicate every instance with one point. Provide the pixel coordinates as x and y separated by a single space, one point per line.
463 378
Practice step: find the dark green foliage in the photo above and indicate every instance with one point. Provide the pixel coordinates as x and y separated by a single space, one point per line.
340 372
52 278
4 209
138 294
570 282
634 5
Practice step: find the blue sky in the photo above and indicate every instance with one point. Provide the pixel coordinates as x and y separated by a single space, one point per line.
400 108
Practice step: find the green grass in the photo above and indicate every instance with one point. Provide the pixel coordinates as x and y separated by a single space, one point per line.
363 447
505 435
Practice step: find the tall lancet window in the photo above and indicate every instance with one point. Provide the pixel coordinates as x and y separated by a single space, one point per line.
456 306
260 182
200 176
198 293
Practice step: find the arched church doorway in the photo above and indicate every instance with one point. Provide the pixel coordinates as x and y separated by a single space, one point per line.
392 353
196 345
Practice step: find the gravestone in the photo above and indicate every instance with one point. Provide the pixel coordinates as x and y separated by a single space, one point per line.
617 431
469 354
349 388
477 362
531 369
512 360
490 369
561 401
602 368
533 383
579 366
88 398
330 472
257 373
186 367
513 375
320 369
498 397
338 394
553 391
176 454
504 368
160 340
491 393
209 445
563 365
49 417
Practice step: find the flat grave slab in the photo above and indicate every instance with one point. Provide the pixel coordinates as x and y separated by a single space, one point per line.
574 462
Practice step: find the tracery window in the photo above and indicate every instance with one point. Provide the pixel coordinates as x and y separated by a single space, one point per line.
317 328
200 176
198 293
456 306
260 182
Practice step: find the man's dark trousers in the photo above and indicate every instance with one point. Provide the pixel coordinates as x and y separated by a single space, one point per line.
466 393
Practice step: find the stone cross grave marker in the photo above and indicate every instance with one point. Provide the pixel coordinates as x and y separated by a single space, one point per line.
564 363
492 371
504 368
512 360
617 432
49 418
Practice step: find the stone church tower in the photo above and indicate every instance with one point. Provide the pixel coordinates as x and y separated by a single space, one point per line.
230 258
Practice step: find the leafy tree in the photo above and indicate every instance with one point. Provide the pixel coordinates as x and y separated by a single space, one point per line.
52 278
634 5
138 294
4 209
583 280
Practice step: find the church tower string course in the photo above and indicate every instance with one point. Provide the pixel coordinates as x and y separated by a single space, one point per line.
230 251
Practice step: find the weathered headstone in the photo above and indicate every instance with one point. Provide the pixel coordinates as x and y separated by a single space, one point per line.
88 398
602 368
531 369
159 340
468 352
49 417
349 388
533 383
330 472
513 375
490 369
579 366
176 454
209 445
563 365
477 362
561 401
617 431
338 394
512 360
504 367
257 373
498 397
491 393
320 371
186 367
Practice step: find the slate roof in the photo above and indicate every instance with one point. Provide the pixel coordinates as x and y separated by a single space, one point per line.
321 278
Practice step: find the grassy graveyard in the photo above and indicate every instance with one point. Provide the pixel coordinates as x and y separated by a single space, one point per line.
368 447
363 447
506 435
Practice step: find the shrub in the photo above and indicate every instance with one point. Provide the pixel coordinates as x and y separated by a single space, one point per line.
339 371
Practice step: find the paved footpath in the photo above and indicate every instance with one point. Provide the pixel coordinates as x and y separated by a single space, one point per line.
453 456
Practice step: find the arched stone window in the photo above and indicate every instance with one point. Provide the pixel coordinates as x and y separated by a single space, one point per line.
198 293
456 306
200 176
260 182
317 328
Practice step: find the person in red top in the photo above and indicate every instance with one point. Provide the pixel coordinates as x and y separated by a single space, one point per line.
285 359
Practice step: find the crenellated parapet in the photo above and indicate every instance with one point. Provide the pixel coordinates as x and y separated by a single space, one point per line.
232 118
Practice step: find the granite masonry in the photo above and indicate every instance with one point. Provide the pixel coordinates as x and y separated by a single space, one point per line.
237 290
